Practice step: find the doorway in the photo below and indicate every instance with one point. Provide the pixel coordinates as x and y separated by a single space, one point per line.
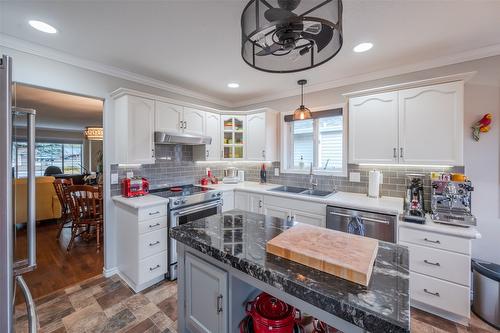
68 156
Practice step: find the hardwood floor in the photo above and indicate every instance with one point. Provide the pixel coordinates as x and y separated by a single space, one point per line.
109 305
56 268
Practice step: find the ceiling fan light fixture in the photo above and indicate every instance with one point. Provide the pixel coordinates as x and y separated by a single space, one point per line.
309 32
302 113
42 26
362 47
233 85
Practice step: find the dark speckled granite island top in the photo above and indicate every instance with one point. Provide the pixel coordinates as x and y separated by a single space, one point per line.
238 239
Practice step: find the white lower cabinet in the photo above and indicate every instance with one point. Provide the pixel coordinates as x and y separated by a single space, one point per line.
227 201
206 290
308 218
250 202
142 244
440 267
279 212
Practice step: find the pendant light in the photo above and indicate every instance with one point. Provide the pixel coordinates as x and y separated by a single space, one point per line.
302 112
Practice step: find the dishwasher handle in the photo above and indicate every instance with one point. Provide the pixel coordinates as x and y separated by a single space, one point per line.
369 219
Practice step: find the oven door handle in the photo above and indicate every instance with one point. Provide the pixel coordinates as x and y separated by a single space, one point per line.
197 208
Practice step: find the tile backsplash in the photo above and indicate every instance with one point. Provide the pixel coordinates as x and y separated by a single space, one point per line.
175 166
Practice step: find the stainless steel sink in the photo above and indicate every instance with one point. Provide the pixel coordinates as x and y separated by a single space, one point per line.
289 189
317 193
301 190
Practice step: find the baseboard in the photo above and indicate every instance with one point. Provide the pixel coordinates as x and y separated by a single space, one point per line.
440 313
140 287
109 272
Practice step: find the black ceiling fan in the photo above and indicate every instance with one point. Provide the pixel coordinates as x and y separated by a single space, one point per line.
280 30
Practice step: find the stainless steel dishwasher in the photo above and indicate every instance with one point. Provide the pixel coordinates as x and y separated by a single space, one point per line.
365 223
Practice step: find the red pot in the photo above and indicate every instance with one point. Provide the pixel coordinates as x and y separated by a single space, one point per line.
271 315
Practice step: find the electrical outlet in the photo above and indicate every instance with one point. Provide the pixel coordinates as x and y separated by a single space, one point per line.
354 177
277 172
114 178
130 174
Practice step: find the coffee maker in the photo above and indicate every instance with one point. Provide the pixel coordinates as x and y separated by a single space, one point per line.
414 199
451 202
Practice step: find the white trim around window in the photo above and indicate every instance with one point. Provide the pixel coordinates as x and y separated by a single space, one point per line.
287 144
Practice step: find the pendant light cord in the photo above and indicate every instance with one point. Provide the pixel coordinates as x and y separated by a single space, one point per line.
301 94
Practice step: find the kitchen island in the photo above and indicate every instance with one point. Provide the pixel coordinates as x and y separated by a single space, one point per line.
223 263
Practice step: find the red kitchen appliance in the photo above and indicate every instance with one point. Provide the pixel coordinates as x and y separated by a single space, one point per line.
134 187
271 315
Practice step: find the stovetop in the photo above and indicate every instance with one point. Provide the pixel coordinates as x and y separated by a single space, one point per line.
187 195
184 190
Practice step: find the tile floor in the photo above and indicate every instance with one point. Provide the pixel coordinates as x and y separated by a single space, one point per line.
109 305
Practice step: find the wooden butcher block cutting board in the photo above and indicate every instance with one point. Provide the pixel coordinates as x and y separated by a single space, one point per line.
350 257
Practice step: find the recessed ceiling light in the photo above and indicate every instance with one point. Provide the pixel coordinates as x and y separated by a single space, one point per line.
362 47
233 85
42 26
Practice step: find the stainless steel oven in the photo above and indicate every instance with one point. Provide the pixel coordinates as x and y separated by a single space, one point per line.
364 223
182 215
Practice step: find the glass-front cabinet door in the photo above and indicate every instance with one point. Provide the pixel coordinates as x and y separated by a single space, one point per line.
234 137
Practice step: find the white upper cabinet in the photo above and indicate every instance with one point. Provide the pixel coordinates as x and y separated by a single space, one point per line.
212 129
373 128
262 136
168 117
431 124
134 127
420 126
194 121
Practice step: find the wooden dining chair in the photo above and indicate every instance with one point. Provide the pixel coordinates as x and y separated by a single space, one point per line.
86 206
61 186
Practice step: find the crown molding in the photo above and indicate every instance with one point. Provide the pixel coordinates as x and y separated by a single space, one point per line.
52 54
480 53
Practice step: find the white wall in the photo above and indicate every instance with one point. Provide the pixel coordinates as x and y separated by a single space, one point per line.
482 95
43 72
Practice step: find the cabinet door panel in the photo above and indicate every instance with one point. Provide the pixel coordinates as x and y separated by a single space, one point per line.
431 124
373 128
308 218
212 129
194 121
242 201
206 296
256 202
140 130
168 117
256 136
279 212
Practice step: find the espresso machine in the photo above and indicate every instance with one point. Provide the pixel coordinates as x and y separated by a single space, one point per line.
451 202
414 199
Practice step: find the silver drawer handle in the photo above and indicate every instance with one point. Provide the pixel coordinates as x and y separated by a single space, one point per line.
155 243
154 225
154 213
432 241
369 219
153 268
431 293
432 263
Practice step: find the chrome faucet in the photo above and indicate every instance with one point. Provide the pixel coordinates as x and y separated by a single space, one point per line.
312 183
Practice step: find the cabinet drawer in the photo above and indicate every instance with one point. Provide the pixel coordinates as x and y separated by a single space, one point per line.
153 224
441 294
301 205
152 212
152 267
435 240
152 243
441 264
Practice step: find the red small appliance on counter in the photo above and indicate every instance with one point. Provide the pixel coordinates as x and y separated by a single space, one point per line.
134 187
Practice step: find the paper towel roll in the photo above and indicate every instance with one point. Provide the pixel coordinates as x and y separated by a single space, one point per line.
374 184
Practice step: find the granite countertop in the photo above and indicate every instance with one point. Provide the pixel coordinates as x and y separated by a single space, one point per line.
388 205
239 238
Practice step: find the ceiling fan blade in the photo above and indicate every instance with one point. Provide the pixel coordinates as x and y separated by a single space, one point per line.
278 14
269 50
322 39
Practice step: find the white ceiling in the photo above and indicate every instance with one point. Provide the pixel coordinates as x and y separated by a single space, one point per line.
59 111
196 44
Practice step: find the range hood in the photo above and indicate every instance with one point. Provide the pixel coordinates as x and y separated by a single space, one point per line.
172 138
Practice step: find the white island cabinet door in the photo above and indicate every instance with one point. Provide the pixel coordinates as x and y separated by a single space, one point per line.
373 128
242 201
256 203
212 129
140 130
206 297
308 218
279 212
168 117
431 124
256 137
194 121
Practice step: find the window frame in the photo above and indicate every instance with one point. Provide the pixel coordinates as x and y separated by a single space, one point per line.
287 144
